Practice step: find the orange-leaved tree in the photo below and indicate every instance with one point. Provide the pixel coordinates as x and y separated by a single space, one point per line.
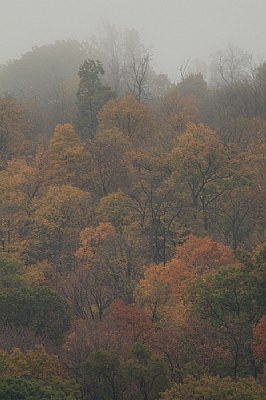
163 284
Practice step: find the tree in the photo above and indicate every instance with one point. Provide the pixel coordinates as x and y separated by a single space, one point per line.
232 65
108 171
154 201
259 335
56 222
142 376
175 111
13 388
36 365
45 81
138 77
10 273
91 96
201 166
123 326
130 116
188 346
107 270
41 310
67 157
103 376
115 209
147 373
259 345
232 301
22 182
163 285
215 388
14 130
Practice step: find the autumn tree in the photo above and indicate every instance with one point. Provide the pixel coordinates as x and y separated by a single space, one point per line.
259 345
58 218
162 285
123 326
188 346
115 209
201 166
22 182
35 364
239 215
174 112
130 116
67 158
108 171
14 130
155 203
106 271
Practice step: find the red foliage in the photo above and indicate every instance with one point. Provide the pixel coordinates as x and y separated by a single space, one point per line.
259 342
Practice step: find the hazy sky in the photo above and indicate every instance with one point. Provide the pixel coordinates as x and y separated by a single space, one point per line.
175 30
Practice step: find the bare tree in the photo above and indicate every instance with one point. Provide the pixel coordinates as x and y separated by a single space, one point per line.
138 74
231 66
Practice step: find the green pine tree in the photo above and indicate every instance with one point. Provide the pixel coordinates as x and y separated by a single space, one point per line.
91 96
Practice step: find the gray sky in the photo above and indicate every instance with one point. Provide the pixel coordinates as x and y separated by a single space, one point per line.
175 30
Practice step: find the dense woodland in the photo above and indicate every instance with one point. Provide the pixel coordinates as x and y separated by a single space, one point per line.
132 222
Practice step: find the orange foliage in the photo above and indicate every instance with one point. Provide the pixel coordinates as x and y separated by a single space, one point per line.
162 284
200 255
177 111
130 116
91 238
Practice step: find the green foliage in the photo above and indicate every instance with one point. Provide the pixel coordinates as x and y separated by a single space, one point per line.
39 309
215 388
91 96
10 273
147 374
103 375
22 389
232 301
143 376
40 70
230 293
114 209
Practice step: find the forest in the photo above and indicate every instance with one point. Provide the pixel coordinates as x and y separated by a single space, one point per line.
132 223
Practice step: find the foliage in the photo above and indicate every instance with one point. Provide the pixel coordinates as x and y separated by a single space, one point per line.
232 301
14 130
91 96
10 273
215 388
22 389
142 376
130 116
163 284
40 309
259 344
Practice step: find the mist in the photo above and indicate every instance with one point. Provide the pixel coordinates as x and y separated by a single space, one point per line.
174 32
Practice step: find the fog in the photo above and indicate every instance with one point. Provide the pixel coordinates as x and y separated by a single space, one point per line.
174 31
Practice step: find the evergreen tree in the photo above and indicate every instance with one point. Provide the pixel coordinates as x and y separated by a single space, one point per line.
91 96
